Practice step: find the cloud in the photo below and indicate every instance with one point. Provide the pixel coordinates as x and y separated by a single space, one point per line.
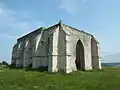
16 23
0 11
111 58
13 24
84 1
71 6
7 36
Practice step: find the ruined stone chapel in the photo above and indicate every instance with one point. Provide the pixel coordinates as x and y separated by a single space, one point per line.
59 47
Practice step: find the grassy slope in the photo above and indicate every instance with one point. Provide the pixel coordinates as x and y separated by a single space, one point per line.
12 79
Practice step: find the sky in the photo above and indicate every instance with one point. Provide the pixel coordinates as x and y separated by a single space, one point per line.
98 17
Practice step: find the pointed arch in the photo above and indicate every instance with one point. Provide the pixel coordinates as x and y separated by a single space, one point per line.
80 58
94 53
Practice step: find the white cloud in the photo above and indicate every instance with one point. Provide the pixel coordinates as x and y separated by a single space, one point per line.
13 24
1 6
71 6
1 11
16 23
7 36
111 58
84 1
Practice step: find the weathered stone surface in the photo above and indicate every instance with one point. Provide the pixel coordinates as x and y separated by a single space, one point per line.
60 48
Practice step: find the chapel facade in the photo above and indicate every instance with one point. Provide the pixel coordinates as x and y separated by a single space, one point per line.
59 48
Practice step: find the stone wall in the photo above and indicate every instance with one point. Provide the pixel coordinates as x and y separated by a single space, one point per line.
61 50
95 51
55 48
40 58
25 49
72 37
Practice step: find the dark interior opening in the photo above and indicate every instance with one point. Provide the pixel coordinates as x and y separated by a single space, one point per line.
80 61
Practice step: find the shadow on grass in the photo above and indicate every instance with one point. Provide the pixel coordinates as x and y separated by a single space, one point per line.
29 68
45 69
94 70
40 69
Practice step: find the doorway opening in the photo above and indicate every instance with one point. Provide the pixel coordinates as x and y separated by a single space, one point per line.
94 53
80 59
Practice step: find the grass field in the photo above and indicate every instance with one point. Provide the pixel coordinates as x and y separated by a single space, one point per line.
18 79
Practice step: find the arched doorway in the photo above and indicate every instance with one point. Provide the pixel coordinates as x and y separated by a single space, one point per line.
94 53
80 60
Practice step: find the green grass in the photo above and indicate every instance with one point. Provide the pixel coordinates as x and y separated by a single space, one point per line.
18 79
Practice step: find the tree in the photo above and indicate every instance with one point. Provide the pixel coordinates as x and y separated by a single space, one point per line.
5 63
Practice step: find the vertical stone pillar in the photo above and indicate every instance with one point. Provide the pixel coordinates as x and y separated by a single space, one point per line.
53 56
14 55
87 53
26 54
20 52
68 54
99 57
95 50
